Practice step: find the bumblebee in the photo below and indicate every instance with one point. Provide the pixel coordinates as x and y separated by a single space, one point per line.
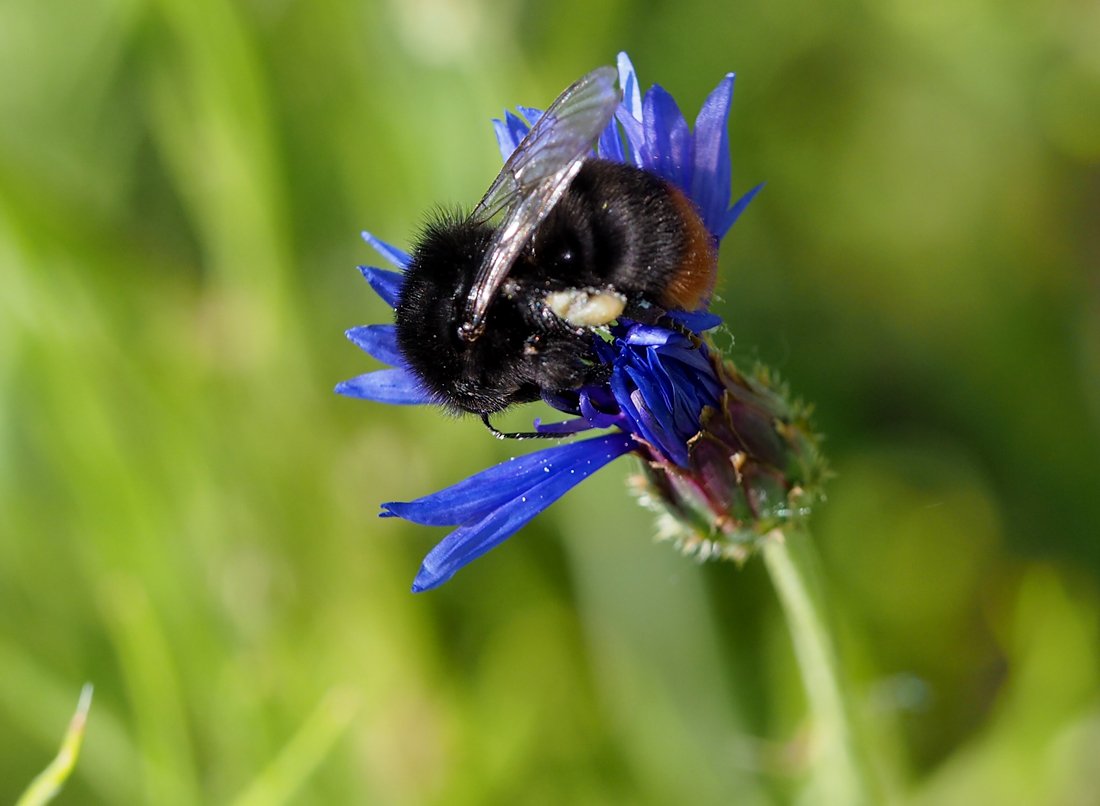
499 306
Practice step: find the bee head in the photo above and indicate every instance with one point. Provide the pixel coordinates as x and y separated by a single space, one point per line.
483 375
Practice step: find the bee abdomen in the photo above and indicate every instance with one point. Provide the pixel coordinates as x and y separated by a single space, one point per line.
637 233
692 282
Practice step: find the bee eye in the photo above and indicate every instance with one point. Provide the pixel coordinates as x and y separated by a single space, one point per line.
566 256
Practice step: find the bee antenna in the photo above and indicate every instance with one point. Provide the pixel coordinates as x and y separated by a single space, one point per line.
516 434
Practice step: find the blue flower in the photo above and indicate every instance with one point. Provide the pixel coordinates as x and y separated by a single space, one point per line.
663 383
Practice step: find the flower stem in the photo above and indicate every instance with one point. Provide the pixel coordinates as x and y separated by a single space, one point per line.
841 773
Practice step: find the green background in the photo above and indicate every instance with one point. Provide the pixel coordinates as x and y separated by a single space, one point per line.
188 514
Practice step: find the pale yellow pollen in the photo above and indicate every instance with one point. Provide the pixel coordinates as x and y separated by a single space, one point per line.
586 307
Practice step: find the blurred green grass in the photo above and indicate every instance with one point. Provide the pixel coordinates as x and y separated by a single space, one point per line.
189 513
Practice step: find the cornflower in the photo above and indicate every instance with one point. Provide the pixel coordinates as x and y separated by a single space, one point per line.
726 458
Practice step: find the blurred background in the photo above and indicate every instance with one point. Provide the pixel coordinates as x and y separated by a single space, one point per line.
188 513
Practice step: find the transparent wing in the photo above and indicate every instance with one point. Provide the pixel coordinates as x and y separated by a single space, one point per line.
527 212
564 132
535 177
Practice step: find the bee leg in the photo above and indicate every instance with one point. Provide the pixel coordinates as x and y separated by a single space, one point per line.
679 327
516 434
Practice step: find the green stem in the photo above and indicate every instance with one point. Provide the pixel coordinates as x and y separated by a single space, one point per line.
49 782
840 770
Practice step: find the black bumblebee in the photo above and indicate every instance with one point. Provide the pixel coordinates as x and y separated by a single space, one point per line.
495 314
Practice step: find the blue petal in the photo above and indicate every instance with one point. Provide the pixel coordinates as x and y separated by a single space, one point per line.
668 142
509 132
686 406
628 80
624 391
378 341
735 211
635 137
695 359
661 381
469 542
530 113
394 255
593 414
657 429
506 142
710 188
517 130
474 498
660 398
697 321
697 375
395 386
610 145
386 284
653 335
629 113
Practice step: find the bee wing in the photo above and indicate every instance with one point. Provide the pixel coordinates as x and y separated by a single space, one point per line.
535 177
564 132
